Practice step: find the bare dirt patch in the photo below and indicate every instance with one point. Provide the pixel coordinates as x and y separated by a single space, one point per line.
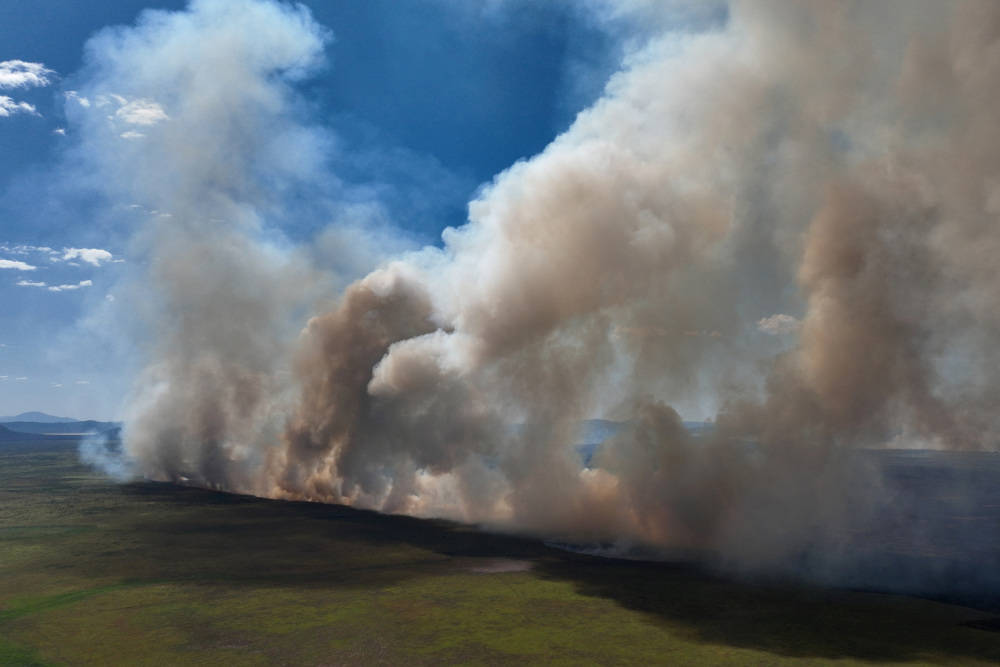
500 565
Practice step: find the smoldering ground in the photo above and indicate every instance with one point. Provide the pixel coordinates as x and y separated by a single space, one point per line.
787 219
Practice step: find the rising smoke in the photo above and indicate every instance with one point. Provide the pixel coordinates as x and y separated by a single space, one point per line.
788 220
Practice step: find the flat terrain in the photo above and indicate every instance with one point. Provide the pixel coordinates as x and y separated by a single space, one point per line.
95 573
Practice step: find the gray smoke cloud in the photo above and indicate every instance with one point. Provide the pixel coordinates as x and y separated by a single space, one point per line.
834 162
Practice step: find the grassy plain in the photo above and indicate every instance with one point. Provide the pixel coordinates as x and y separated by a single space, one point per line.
95 573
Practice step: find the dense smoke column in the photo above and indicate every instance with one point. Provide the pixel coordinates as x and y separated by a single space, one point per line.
188 119
787 219
335 365
647 213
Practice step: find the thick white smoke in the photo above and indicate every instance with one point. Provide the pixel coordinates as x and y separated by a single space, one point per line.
829 165
189 117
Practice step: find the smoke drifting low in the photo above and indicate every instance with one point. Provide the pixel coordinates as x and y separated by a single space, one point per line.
788 220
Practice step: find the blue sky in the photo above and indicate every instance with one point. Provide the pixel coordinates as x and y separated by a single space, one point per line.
425 100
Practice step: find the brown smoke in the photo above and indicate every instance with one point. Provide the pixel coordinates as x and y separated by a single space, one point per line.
830 163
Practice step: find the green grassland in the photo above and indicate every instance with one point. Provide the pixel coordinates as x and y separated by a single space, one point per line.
95 573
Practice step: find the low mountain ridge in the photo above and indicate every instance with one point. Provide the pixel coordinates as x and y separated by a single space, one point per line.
39 417
62 428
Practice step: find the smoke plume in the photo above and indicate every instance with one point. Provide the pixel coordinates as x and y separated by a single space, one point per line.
836 163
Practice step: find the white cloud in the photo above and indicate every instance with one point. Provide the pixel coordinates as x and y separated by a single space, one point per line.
64 288
22 249
57 384
56 288
92 256
105 100
20 379
9 107
61 131
79 99
21 74
16 264
140 112
82 382
778 324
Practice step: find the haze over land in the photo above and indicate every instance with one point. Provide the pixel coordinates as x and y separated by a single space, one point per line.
784 220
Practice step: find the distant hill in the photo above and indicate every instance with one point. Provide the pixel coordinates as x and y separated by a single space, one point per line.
39 417
61 428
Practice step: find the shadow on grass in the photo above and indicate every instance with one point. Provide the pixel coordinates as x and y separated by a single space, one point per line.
793 621
201 536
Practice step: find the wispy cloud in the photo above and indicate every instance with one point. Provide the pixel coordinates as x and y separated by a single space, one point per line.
141 112
778 324
79 99
82 382
130 114
20 379
9 107
65 288
56 288
22 74
92 256
23 249
16 264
